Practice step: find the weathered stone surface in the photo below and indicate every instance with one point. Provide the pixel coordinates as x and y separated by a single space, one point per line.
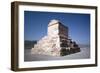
56 42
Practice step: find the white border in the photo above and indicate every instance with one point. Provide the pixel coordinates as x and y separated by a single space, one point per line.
33 64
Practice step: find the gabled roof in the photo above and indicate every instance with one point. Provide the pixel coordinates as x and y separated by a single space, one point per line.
52 22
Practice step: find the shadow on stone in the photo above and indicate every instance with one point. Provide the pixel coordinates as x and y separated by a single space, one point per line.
74 50
64 51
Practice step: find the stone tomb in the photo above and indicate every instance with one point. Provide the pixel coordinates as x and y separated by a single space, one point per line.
56 42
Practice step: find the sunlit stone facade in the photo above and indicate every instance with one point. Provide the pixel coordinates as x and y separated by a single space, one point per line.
56 42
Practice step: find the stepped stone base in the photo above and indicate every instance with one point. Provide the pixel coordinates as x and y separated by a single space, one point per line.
50 46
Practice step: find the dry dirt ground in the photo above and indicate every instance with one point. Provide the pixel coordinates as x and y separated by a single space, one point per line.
84 54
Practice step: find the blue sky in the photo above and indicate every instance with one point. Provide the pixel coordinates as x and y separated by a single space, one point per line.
35 25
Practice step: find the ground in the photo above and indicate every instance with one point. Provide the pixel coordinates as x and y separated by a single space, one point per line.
84 54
